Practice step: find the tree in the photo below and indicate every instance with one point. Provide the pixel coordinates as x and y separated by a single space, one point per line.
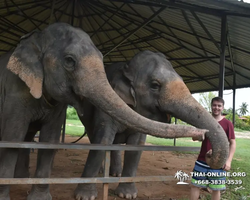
243 108
205 100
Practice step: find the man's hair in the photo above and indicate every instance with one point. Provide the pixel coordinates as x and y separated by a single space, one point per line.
218 99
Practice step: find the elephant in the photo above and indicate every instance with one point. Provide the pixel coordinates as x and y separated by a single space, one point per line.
47 71
151 87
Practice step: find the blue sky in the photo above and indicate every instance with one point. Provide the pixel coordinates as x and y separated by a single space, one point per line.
242 95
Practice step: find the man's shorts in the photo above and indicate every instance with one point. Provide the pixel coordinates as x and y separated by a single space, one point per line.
203 176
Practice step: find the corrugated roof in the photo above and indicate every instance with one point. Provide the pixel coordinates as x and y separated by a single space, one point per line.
188 32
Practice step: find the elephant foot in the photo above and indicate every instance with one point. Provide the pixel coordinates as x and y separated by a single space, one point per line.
115 171
5 198
4 192
39 196
39 193
126 190
85 192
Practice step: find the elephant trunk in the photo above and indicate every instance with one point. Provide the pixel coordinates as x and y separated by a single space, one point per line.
97 90
182 105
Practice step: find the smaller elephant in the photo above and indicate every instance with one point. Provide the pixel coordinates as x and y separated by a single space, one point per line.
151 87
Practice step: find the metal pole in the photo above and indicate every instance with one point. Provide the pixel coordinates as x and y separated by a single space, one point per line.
222 54
234 91
64 127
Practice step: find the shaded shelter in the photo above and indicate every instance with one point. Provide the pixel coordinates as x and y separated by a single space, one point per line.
206 41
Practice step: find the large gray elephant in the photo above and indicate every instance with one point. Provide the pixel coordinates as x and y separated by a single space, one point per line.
149 85
47 71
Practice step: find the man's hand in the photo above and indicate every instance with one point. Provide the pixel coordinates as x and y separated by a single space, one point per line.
227 166
209 153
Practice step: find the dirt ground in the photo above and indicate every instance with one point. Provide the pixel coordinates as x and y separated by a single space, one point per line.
70 163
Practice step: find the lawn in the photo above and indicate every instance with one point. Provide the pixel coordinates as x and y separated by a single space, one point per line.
74 127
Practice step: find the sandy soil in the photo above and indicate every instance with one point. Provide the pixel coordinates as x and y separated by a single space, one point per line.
69 163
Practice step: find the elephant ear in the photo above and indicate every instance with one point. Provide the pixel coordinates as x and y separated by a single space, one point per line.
25 62
124 89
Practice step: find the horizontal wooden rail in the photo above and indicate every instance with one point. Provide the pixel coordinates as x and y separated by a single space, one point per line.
40 145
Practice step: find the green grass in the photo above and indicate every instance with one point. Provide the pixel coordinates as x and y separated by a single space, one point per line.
76 129
73 121
170 142
240 130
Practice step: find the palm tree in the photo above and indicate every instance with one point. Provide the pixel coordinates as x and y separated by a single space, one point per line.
178 175
185 176
243 108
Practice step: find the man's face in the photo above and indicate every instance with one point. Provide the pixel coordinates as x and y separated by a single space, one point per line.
217 108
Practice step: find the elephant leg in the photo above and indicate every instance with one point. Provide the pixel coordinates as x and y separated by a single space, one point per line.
116 164
91 169
50 133
131 161
22 165
102 135
8 156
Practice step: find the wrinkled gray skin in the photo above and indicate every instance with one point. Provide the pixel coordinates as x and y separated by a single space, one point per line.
47 71
149 85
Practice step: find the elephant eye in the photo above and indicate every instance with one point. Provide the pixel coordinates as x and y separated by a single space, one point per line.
69 63
155 85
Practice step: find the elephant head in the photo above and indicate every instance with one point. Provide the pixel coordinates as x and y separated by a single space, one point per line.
61 64
151 86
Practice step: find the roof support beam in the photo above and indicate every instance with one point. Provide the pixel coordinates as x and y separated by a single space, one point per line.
230 52
52 11
72 13
205 29
140 27
100 27
110 24
30 19
193 30
12 25
222 54
196 58
173 4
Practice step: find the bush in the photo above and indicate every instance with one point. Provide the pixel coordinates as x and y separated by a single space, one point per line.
71 113
238 122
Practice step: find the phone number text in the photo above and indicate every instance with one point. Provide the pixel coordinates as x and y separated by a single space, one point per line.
218 182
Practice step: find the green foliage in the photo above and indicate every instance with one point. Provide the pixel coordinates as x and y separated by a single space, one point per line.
205 100
247 119
239 123
178 121
71 113
229 111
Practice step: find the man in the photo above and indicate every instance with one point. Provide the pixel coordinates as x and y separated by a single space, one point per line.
217 105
